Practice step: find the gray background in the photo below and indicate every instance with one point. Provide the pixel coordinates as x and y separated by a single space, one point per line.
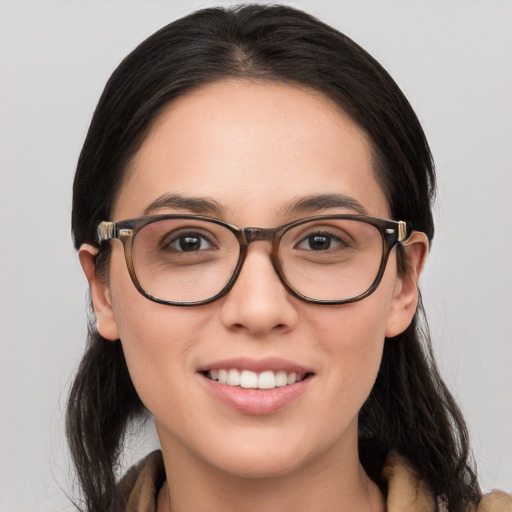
452 58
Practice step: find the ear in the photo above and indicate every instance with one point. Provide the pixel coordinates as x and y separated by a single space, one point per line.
406 294
100 294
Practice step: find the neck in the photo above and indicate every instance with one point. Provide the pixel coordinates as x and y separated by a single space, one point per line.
332 484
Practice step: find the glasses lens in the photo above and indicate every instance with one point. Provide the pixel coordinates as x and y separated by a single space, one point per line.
333 259
184 260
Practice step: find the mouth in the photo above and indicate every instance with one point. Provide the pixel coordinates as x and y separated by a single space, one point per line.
256 386
248 379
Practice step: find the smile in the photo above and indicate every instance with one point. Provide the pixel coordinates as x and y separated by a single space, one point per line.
248 379
256 386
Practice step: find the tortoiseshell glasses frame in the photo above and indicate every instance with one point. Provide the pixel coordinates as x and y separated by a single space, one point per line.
392 233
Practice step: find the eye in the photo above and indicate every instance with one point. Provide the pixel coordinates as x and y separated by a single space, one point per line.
321 241
188 241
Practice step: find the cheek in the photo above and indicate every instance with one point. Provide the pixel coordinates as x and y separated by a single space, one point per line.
355 357
157 348
362 355
353 337
157 341
356 344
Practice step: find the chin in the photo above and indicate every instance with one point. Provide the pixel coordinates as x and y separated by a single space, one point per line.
263 453
261 466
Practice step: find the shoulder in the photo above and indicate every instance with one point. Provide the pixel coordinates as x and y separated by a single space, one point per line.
406 491
496 501
140 485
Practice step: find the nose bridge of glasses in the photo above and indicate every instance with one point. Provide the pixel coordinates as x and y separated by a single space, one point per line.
258 234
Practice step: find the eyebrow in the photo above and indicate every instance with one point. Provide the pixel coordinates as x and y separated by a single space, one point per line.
203 205
314 203
192 204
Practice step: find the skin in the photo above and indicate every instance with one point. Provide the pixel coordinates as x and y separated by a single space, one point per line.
255 148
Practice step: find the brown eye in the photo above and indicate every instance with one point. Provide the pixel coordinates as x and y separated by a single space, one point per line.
188 242
321 242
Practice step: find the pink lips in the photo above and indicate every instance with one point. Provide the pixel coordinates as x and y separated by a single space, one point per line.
256 401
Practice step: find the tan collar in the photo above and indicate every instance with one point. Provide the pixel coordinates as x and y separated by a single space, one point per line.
406 492
141 484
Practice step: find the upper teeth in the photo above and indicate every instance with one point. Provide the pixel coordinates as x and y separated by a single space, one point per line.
248 379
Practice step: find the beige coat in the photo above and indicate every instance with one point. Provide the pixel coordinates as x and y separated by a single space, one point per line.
406 492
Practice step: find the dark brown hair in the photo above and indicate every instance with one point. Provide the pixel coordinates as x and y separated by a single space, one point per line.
409 409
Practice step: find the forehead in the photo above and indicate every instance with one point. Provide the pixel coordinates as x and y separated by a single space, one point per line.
251 147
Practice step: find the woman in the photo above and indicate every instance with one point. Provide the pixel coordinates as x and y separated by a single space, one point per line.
286 366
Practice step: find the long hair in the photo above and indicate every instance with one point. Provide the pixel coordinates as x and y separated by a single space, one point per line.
409 409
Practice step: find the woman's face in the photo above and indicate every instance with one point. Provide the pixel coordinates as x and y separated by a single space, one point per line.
252 150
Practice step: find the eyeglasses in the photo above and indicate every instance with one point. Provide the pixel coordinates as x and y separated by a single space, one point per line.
188 260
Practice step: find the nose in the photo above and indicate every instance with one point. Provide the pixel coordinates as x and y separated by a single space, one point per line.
258 303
